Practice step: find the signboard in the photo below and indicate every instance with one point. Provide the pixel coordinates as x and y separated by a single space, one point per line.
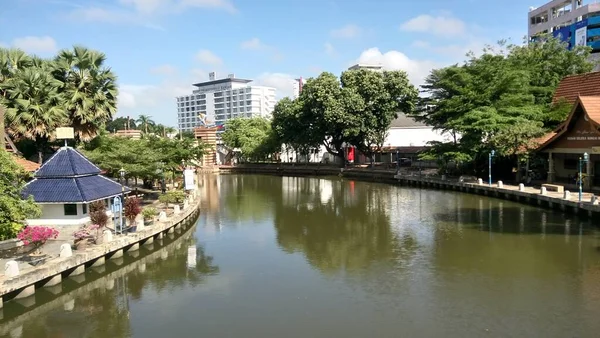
65 133
188 175
214 88
581 36
596 150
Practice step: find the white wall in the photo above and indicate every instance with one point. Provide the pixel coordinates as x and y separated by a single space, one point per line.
54 215
414 137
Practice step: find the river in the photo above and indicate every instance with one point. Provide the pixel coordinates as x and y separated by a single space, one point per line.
330 257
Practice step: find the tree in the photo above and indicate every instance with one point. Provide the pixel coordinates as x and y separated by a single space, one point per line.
248 136
89 91
330 108
120 123
12 61
488 99
14 210
383 96
34 109
145 121
287 121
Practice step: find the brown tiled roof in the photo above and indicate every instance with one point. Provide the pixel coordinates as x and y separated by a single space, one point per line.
591 107
26 165
573 86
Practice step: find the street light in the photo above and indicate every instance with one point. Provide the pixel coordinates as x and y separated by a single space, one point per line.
490 156
163 186
581 162
122 175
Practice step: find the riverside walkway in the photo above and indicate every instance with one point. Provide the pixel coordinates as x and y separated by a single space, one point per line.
17 284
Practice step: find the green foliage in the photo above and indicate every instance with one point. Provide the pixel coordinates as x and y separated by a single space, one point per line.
500 100
144 158
172 197
149 212
37 95
252 137
356 109
120 123
13 209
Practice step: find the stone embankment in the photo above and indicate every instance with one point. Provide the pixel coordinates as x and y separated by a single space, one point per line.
565 201
16 284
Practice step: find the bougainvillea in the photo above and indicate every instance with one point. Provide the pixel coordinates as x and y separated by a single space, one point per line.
37 235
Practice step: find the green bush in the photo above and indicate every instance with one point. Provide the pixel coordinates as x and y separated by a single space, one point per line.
13 209
149 212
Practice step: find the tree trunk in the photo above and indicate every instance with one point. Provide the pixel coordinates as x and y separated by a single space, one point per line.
40 156
519 176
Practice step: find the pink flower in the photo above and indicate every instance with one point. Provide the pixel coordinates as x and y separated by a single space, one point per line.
36 235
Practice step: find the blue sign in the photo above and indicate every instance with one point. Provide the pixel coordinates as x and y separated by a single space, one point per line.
117 206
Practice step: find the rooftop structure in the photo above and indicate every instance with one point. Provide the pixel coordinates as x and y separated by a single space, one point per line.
574 86
218 100
375 67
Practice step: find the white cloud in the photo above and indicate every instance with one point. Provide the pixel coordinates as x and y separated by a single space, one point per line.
209 58
252 44
165 69
256 45
329 49
417 70
144 12
284 83
442 25
36 44
347 32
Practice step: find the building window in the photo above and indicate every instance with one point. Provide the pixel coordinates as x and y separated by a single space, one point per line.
84 208
70 209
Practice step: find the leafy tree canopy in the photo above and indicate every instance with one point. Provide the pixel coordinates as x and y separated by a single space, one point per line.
13 209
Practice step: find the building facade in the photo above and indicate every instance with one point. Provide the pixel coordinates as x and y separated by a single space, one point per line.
219 100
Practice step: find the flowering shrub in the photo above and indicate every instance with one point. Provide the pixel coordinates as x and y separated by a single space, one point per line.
98 213
86 232
37 235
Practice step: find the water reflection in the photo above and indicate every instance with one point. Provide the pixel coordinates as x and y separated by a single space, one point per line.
98 303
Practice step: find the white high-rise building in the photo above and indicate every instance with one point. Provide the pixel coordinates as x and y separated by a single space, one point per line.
222 99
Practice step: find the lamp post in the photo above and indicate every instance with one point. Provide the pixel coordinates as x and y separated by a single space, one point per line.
122 175
581 162
490 156
183 174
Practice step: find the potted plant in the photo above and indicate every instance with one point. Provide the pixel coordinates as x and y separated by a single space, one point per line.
36 236
132 209
86 235
150 213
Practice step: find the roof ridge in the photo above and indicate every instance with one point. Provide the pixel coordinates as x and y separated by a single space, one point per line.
49 160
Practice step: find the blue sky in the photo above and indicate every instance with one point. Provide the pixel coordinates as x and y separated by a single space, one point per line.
158 48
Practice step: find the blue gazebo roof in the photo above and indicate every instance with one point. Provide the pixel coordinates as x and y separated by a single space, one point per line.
69 177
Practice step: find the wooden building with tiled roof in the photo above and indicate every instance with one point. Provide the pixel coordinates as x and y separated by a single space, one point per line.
578 135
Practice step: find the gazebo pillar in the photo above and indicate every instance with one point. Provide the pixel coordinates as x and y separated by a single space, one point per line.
587 183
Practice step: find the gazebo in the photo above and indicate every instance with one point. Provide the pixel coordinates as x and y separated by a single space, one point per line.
65 185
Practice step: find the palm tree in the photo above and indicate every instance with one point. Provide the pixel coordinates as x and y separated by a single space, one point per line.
35 108
89 90
145 121
12 61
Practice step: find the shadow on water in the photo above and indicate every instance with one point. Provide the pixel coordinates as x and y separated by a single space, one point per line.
96 304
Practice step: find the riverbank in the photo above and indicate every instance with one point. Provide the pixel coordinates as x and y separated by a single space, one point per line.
567 202
16 284
101 277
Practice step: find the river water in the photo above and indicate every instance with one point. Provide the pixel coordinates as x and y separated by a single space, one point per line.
314 257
